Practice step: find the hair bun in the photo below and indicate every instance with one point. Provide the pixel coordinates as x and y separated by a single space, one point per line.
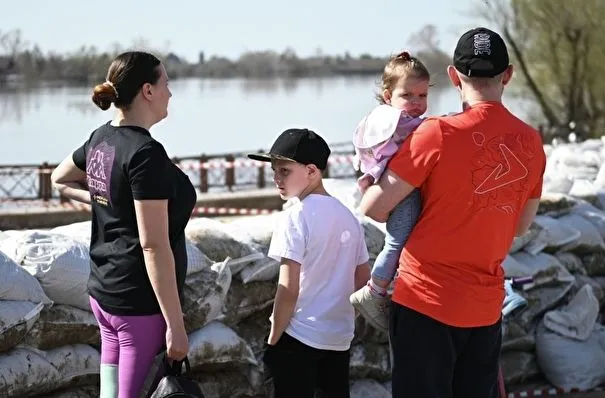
104 95
404 55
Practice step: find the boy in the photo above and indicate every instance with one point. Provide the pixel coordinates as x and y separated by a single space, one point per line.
324 259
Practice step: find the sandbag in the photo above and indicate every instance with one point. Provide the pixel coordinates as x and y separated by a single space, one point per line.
571 262
544 269
368 388
513 268
231 383
196 260
597 289
590 239
594 263
28 372
62 325
255 330
577 319
584 190
593 215
260 228
518 367
569 363
245 299
370 361
17 284
515 337
554 234
265 269
77 392
600 280
219 240
204 295
80 231
216 346
542 299
519 242
61 264
16 319
553 203
557 184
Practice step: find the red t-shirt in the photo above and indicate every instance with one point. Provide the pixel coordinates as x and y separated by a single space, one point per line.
476 170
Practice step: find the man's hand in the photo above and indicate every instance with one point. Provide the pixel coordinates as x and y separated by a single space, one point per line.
380 199
364 182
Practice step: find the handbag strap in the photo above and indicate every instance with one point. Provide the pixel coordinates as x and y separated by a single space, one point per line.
176 369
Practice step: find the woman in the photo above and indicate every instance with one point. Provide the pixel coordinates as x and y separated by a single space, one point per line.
141 203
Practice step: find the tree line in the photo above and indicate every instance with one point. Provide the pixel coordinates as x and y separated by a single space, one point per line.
22 60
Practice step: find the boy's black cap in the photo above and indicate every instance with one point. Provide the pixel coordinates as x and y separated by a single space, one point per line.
300 145
481 52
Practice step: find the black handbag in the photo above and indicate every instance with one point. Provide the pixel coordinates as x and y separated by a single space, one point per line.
177 383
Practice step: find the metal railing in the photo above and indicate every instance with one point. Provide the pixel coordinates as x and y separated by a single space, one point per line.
208 173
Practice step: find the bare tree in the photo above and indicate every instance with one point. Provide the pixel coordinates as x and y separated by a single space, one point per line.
555 45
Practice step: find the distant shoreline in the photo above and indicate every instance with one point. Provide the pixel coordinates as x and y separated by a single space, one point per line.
89 66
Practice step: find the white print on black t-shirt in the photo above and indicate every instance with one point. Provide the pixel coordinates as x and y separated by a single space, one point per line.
98 172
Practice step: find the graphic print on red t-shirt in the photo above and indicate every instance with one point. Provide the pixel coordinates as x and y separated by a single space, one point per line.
499 174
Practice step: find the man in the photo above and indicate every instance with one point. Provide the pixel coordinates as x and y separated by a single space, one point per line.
480 174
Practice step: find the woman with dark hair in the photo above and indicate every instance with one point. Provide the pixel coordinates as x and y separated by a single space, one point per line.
141 203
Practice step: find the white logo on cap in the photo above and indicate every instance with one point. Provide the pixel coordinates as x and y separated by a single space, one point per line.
482 44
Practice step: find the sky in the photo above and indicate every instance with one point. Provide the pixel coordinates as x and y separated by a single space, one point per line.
229 28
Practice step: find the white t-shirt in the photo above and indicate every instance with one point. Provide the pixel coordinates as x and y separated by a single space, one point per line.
328 241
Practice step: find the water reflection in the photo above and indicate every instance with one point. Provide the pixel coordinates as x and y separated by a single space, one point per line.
206 116
15 103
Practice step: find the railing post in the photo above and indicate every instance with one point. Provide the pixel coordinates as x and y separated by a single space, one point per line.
261 183
203 174
44 182
230 172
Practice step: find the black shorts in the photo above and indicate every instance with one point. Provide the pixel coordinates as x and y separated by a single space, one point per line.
298 371
434 360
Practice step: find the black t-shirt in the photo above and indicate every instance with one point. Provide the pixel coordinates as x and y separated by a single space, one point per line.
124 164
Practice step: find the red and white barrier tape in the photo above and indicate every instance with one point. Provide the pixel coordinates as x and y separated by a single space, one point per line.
548 392
191 165
199 210
231 211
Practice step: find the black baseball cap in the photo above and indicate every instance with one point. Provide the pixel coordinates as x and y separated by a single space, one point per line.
300 145
481 52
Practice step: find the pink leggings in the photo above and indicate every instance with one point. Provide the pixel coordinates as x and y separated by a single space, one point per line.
131 342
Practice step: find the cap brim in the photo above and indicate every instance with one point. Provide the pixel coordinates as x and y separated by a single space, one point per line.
267 157
262 157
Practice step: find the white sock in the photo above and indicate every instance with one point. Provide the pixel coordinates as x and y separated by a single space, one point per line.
109 381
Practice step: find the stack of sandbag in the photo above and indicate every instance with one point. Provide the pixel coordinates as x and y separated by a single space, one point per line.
29 370
49 339
576 169
564 253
